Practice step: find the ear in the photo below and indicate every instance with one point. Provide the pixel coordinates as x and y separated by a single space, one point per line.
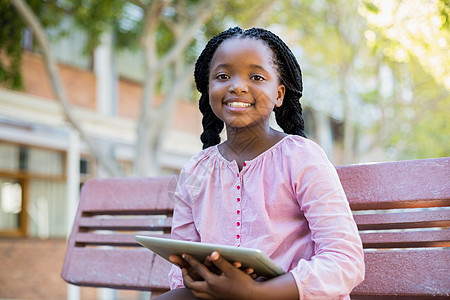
280 95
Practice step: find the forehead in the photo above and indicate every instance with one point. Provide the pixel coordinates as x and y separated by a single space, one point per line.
242 52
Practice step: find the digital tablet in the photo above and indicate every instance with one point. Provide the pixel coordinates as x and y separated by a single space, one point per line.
252 258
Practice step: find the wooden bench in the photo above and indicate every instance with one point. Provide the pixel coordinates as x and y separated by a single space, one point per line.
402 210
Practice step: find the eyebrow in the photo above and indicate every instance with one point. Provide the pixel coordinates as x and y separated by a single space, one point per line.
252 66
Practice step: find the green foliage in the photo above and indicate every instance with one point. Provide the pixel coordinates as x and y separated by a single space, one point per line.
98 16
444 6
416 126
11 29
431 137
371 7
420 126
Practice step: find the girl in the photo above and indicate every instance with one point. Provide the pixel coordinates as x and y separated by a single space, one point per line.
261 188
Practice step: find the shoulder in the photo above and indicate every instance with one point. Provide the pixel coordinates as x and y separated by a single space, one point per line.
299 148
307 163
200 160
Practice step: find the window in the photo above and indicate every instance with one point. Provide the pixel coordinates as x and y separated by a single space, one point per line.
10 204
32 191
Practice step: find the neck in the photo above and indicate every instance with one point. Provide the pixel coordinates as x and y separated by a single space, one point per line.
247 143
250 135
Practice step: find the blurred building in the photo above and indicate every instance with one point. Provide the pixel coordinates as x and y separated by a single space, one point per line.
36 142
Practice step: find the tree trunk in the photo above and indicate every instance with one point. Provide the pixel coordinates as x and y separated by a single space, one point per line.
60 93
152 121
349 119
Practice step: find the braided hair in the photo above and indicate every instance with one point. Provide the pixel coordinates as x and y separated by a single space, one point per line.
288 115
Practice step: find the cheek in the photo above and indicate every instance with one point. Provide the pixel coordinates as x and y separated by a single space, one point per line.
214 103
266 100
215 95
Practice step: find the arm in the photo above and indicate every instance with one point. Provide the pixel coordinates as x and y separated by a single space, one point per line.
183 227
337 265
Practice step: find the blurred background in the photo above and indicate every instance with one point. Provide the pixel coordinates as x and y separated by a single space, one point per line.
98 88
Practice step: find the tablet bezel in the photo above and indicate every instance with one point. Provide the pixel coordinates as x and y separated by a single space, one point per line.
253 258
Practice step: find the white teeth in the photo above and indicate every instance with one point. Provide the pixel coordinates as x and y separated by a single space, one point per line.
238 104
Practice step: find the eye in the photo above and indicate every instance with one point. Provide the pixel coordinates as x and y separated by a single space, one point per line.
222 77
257 78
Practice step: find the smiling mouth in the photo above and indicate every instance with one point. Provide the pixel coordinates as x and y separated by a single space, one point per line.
238 104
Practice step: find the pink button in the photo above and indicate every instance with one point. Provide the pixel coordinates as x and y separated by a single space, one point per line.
238 236
238 187
238 199
237 174
245 164
238 224
238 211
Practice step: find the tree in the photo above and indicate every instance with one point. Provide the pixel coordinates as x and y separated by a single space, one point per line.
369 78
31 20
166 34
330 36
183 22
411 41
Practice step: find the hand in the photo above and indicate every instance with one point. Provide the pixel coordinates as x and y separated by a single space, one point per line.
183 264
180 262
229 283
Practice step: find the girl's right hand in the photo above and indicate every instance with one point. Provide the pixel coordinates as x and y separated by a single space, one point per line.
183 264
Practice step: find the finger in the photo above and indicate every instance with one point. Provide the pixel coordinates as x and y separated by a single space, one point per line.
211 267
222 263
178 260
207 262
197 266
198 288
238 265
249 271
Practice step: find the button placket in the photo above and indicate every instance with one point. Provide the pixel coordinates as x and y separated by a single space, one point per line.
238 211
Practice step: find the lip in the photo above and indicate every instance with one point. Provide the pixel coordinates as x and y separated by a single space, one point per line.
245 104
237 100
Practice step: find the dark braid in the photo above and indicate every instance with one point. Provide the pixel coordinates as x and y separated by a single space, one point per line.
212 126
288 116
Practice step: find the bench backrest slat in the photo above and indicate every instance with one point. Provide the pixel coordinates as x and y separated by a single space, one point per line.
408 239
393 274
110 239
402 210
136 268
116 195
403 220
394 185
125 224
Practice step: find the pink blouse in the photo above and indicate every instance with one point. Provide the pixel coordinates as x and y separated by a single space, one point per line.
287 202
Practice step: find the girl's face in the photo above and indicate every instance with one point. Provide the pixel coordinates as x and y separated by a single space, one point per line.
244 83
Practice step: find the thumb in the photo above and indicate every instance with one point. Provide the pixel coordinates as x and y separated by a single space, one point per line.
221 262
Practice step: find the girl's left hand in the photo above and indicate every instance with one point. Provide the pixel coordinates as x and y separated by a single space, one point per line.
231 283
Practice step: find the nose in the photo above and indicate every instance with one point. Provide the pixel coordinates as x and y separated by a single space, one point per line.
238 86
